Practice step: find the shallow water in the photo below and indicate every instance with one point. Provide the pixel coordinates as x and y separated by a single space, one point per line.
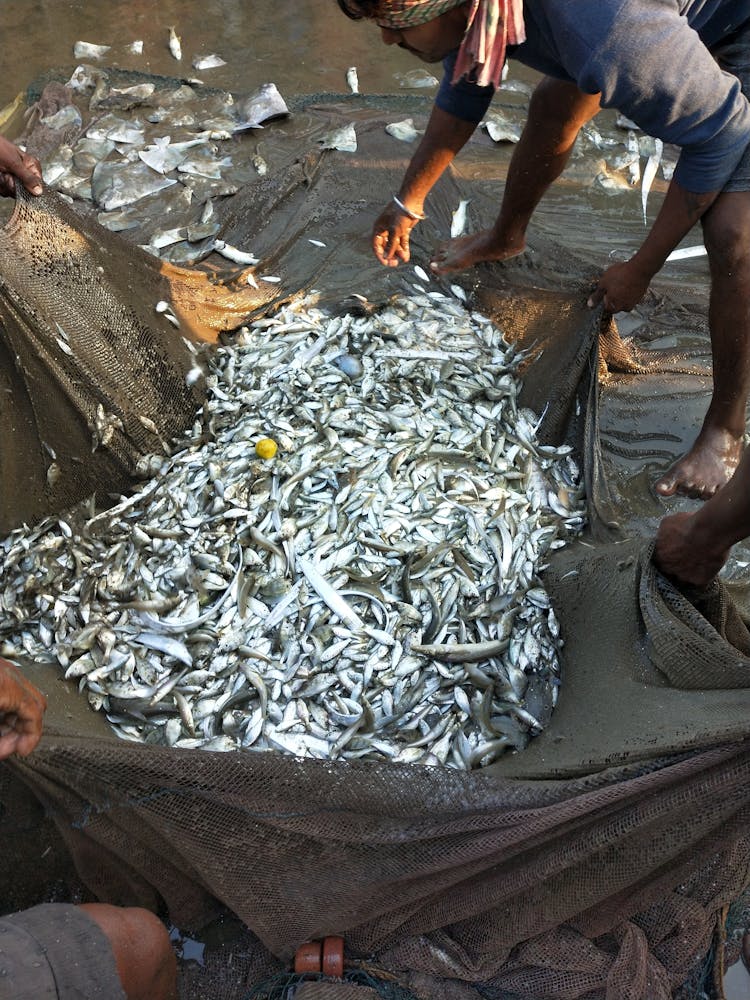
305 46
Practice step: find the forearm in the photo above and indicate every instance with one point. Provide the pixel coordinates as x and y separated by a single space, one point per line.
623 285
679 212
444 137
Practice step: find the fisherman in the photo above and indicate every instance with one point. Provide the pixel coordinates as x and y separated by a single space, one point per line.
14 162
59 950
681 71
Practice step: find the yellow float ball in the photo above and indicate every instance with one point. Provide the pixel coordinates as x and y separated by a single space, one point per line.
266 448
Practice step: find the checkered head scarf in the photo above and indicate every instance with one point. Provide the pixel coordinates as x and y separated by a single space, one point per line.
490 27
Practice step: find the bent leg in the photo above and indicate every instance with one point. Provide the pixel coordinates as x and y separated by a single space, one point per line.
716 452
145 961
556 113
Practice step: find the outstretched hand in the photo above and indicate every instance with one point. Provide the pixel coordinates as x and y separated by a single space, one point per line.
22 707
17 165
620 288
390 236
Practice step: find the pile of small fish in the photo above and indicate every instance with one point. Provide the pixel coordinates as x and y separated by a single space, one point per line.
368 590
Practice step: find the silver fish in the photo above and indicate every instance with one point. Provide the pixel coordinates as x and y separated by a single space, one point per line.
500 128
212 61
298 616
89 50
403 130
416 78
263 105
458 219
344 139
649 172
175 46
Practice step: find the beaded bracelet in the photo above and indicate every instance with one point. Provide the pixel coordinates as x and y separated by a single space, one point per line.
407 211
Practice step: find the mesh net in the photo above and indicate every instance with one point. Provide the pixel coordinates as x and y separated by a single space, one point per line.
597 863
94 377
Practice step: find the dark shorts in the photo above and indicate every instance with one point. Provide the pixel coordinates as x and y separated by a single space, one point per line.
56 952
734 57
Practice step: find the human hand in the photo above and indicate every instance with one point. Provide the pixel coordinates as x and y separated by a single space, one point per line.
21 709
390 236
620 288
680 554
14 163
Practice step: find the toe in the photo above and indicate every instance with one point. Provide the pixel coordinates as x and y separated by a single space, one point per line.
693 491
667 485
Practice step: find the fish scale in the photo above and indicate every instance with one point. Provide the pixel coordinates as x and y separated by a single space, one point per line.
272 573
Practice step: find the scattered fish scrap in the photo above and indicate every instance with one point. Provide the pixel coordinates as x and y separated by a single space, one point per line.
126 144
369 590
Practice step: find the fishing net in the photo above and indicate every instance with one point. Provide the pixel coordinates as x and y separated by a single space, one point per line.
600 861
94 377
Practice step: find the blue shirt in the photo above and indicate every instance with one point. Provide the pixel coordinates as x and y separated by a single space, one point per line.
650 59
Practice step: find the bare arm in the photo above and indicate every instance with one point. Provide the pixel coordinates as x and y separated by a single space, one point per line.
622 286
556 113
444 136
692 548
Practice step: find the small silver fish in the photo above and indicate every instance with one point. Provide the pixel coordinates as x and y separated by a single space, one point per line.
211 61
649 172
263 105
175 46
500 129
685 253
403 130
234 254
417 78
458 219
634 167
344 139
88 50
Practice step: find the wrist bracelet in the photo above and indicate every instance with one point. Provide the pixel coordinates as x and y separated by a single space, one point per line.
407 211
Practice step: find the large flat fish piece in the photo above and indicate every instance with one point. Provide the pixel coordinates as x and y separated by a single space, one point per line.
116 184
264 105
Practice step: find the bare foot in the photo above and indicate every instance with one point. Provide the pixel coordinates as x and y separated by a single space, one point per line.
466 251
708 465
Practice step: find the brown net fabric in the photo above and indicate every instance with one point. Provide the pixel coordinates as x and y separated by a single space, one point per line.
93 377
598 862
335 991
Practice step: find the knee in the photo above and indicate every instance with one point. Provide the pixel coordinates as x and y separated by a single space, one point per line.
726 233
143 953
